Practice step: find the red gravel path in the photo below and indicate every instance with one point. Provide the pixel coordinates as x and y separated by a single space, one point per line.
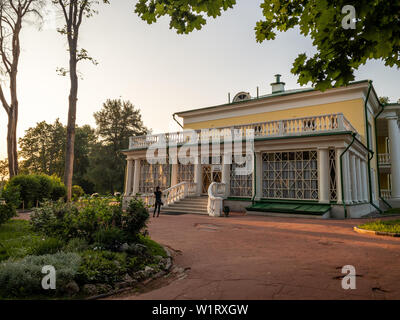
246 257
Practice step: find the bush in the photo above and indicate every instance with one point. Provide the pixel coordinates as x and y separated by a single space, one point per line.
76 245
50 218
34 189
136 217
11 194
95 220
7 211
110 239
23 278
59 190
102 267
77 192
47 246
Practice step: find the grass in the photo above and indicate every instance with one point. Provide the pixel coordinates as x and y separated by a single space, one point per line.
17 239
391 226
393 211
154 248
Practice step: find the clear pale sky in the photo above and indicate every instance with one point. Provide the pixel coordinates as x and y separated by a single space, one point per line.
159 71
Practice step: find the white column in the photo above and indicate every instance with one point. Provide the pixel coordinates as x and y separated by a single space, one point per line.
323 175
198 179
174 174
353 175
359 180
128 178
257 177
226 172
364 180
347 178
136 178
394 140
339 189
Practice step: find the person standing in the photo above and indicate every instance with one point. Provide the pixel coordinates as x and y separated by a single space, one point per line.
158 202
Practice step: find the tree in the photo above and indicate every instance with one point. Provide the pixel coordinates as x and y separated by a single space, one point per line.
116 122
42 149
340 49
384 100
13 13
86 139
3 170
74 11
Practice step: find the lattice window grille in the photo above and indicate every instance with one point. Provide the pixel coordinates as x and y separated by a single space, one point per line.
290 175
240 185
185 173
153 175
332 175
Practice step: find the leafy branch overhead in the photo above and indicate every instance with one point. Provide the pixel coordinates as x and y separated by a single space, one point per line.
340 51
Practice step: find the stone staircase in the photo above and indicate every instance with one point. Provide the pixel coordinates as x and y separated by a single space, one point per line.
193 205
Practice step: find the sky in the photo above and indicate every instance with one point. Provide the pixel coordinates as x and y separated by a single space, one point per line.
159 71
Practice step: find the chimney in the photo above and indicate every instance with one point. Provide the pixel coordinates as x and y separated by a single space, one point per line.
278 86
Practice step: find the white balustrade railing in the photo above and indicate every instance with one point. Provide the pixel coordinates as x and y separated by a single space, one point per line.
216 193
384 158
386 194
170 195
178 192
287 127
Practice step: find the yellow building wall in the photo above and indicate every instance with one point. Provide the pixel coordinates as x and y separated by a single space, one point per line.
353 110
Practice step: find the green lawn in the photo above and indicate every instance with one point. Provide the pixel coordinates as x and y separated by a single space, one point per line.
392 226
17 239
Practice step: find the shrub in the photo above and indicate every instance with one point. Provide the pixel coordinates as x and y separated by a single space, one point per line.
7 211
50 219
28 187
23 278
136 217
59 190
102 267
95 220
11 194
110 239
47 246
34 189
76 245
77 192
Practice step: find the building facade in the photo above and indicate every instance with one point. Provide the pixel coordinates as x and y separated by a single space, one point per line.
331 154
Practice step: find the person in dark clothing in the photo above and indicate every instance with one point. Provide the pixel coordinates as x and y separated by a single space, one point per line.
158 202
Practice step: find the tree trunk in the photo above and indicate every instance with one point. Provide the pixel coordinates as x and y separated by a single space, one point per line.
12 142
73 97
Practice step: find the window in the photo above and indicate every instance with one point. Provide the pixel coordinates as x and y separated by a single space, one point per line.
290 175
185 173
153 175
241 185
332 175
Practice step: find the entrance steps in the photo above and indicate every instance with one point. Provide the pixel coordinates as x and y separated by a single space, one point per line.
193 205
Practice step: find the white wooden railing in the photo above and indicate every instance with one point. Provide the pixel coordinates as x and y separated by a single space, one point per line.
386 194
216 192
287 127
170 195
384 158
